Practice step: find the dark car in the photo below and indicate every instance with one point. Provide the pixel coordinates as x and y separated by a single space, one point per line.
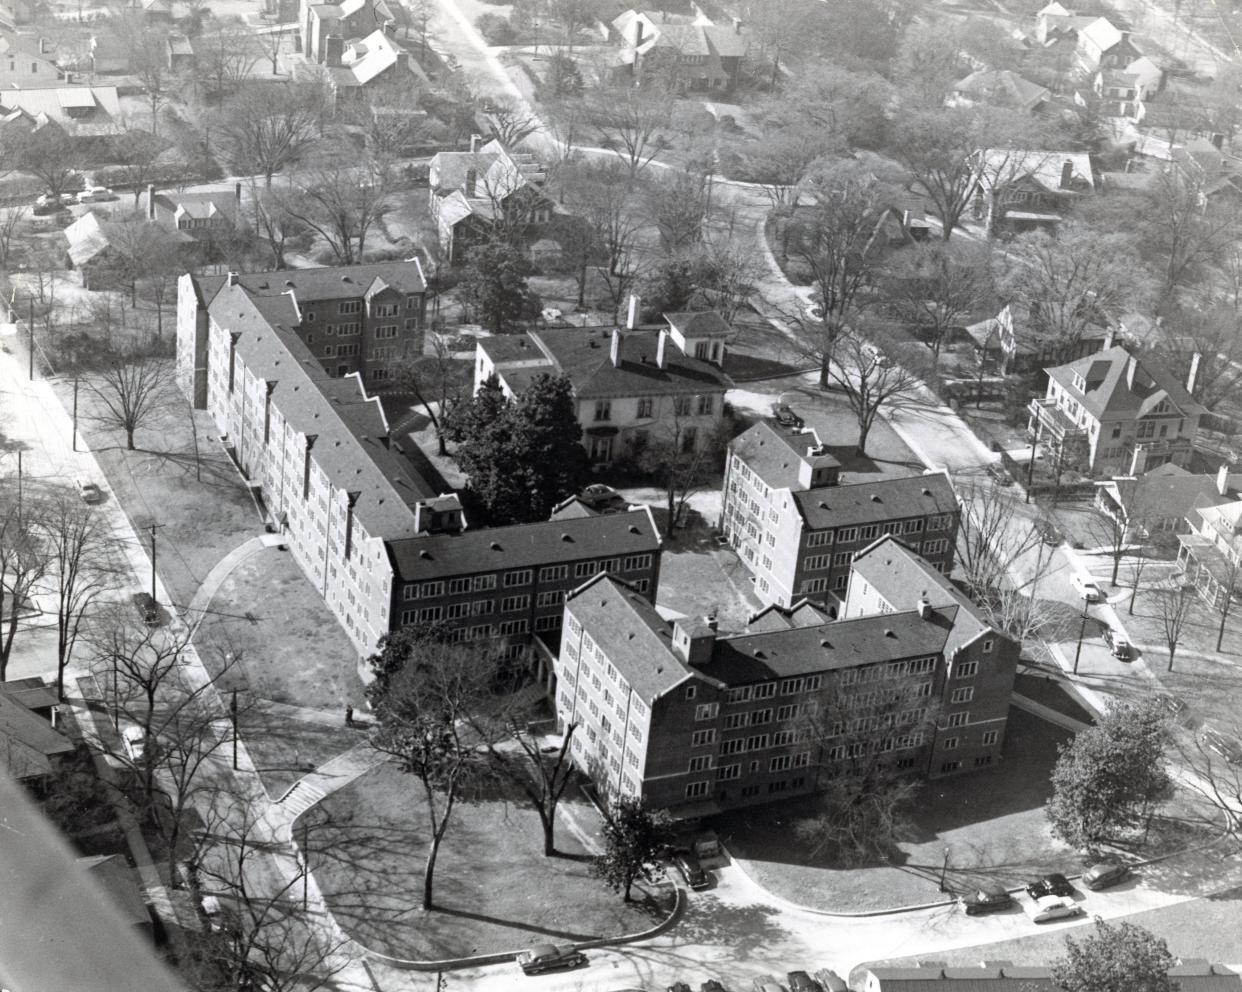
603 499
711 985
1121 648
987 898
800 981
679 987
785 416
1102 874
148 609
548 957
691 870
1054 884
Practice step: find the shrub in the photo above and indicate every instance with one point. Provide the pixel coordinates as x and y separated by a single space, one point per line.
496 30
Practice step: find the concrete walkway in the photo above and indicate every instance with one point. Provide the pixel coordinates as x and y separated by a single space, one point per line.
208 588
334 774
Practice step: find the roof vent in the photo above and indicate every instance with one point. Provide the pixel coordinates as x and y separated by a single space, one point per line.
346 279
823 505
633 529
566 537
825 644
759 653
875 498
593 343
425 554
889 633
288 282
926 492
496 546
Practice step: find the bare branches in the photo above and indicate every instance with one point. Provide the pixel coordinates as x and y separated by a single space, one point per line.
267 128
133 388
870 381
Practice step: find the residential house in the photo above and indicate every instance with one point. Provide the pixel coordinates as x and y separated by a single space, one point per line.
1162 499
24 62
797 525
1013 341
1206 164
34 694
1000 88
106 251
691 57
474 193
84 112
180 51
1189 974
1019 190
205 217
362 319
1113 413
374 534
113 874
153 10
631 386
29 744
350 65
696 722
1210 553
1098 43
1117 93
1148 74
346 20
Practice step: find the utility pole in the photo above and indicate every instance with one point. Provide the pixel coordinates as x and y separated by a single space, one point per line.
1082 629
30 331
233 713
74 439
153 528
1030 466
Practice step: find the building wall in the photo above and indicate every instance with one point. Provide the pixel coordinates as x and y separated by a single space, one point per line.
357 587
349 336
671 417
26 69
191 343
975 689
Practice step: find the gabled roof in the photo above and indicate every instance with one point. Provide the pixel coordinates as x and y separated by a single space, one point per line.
27 741
548 542
1120 386
1003 87
54 101
640 642
90 235
876 501
1044 167
1100 32
336 282
699 324
774 454
199 205
114 875
366 58
1167 491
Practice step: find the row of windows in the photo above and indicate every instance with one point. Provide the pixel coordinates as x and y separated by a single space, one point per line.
522 577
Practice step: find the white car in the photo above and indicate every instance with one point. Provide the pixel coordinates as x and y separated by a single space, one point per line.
1087 589
96 194
135 742
1049 908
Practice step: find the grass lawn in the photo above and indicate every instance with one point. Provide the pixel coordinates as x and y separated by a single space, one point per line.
283 749
494 888
697 578
291 648
202 514
992 822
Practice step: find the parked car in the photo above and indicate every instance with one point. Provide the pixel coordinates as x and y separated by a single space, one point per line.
785 416
55 200
987 898
148 609
89 492
711 985
603 499
1054 884
134 740
831 981
1104 873
679 987
548 957
1048 532
1122 649
96 194
999 473
800 981
691 870
766 983
1087 588
1049 908
1227 747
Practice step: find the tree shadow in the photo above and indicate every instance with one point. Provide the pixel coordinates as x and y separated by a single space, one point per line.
750 931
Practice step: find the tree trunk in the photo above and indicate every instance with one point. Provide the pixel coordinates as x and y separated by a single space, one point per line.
824 362
1172 651
548 821
429 869
1117 564
863 430
129 439
629 882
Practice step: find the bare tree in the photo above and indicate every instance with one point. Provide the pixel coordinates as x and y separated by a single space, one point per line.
49 154
132 385
728 273
683 457
136 152
937 287
630 121
676 205
10 224
339 205
1174 611
82 553
23 564
1214 333
424 725
512 123
517 755
781 160
268 127
871 381
271 41
225 58
1229 591
435 381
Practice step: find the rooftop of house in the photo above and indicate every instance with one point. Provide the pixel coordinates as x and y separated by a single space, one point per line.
902 578
584 354
351 433
1005 165
1118 78
495 170
90 235
1003 87
364 59
775 454
112 872
31 692
1119 386
337 282
876 501
1190 975
1168 491
700 39
803 613
83 111
27 741
548 542
199 205
699 324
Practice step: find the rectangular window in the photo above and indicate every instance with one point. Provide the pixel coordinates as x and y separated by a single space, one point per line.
585 569
695 790
551 598
386 331
728 772
519 578
934 547
700 763
950 766
482 607
757 743
983 759
950 743
967 669
815 562
739 695
758 717
349 306
990 737
706 711
681 406
819 539
646 408
958 720
964 695
734 720
706 404
482 582
514 627
847 534
691 691
634 563
387 309
781 763
987 646
512 604
701 738
553 573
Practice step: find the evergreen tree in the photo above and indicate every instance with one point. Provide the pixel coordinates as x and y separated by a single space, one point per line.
551 463
494 284
634 838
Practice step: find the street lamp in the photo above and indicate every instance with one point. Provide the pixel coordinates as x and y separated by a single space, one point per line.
1030 466
1082 629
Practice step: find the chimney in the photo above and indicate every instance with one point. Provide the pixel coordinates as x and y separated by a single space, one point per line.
737 25
150 201
232 279
662 348
1108 337
638 31
1067 173
631 319
334 50
42 45
472 181
1195 359
616 347
1222 480
712 622
924 607
693 641
237 198
474 143
1218 140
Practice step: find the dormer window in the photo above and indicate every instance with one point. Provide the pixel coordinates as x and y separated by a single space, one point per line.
1079 382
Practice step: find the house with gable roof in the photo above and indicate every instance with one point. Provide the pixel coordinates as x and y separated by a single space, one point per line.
696 721
631 385
1210 553
473 193
1019 190
689 51
1117 414
1000 88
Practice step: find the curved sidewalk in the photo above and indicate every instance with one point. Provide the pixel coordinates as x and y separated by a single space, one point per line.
210 585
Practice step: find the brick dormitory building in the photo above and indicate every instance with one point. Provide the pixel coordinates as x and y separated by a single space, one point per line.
797 524
380 544
697 722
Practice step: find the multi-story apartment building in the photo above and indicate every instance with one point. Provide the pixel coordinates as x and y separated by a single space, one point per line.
1111 413
632 386
797 525
696 722
354 318
379 543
